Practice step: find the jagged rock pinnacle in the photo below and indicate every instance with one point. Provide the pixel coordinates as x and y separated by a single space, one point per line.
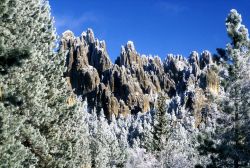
134 81
130 46
90 36
68 35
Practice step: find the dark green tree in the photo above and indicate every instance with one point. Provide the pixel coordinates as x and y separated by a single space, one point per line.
161 128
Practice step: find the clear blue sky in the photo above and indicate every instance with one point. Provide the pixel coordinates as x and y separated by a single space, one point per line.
157 27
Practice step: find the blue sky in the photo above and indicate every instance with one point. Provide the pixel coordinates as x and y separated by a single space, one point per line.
156 27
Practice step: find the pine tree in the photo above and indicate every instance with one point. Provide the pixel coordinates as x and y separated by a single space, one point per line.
13 48
139 158
105 147
237 94
229 145
10 120
38 128
161 127
148 134
161 132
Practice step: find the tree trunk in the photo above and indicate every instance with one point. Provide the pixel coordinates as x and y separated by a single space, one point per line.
236 128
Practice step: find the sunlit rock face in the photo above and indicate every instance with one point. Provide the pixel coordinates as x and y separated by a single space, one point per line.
132 83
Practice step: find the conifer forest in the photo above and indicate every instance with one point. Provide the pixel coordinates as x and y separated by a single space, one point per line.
65 104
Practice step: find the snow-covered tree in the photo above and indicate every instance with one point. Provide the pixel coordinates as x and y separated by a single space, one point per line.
38 128
229 145
139 158
236 30
161 126
106 150
12 152
15 44
148 133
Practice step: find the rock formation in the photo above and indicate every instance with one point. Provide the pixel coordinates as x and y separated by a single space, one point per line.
132 83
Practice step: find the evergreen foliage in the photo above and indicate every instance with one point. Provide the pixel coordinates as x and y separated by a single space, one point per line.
37 127
161 130
229 146
106 149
